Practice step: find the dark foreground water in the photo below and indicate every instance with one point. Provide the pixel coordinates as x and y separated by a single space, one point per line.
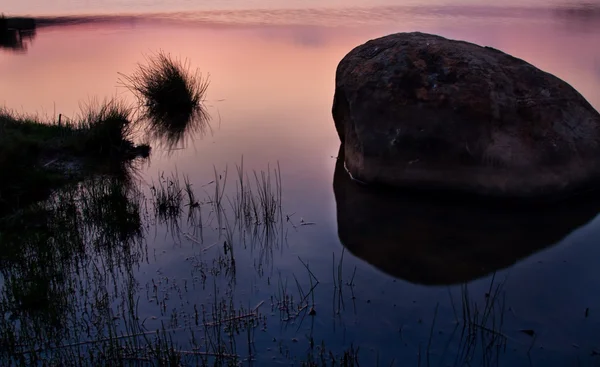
284 260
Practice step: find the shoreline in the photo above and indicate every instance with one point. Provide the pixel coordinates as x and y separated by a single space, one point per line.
39 157
308 16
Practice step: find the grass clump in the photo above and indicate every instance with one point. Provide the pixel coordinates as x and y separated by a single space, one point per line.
171 97
106 129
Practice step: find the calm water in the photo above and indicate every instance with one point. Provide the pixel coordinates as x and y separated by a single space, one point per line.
407 262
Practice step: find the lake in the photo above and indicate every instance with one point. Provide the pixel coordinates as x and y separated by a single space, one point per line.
333 271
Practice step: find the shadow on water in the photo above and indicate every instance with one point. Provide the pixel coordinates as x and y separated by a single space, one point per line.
432 241
16 33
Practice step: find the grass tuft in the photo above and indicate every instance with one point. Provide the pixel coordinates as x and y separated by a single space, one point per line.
171 96
106 128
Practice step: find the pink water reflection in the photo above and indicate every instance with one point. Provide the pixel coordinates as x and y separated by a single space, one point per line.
271 86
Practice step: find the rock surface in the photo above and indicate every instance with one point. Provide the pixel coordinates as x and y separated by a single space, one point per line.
421 111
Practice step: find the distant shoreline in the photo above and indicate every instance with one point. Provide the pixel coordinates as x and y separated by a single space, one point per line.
583 12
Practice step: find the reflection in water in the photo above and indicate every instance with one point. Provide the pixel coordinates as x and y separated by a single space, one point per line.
174 132
583 17
70 285
428 240
63 263
16 39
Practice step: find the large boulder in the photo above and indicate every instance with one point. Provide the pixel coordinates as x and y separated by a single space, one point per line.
421 111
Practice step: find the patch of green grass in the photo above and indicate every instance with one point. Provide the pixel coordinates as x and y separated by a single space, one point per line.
171 97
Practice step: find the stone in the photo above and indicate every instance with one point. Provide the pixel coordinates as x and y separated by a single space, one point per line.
422 111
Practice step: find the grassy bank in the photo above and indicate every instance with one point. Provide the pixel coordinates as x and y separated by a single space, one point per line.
37 156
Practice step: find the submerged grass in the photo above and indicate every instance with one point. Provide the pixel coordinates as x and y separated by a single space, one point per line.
74 287
483 326
171 97
64 261
320 356
168 197
478 337
251 216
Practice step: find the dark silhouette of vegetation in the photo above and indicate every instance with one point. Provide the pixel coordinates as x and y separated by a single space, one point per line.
37 156
15 33
170 96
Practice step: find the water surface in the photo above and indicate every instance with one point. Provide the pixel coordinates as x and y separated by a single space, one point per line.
409 265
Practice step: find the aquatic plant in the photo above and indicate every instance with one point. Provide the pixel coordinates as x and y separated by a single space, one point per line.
478 334
258 202
482 326
322 357
90 299
251 215
170 96
338 283
59 260
257 208
168 200
295 305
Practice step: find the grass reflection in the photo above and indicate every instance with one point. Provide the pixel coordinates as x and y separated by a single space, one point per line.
64 261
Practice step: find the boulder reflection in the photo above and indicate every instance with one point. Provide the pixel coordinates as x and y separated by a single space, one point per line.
434 241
